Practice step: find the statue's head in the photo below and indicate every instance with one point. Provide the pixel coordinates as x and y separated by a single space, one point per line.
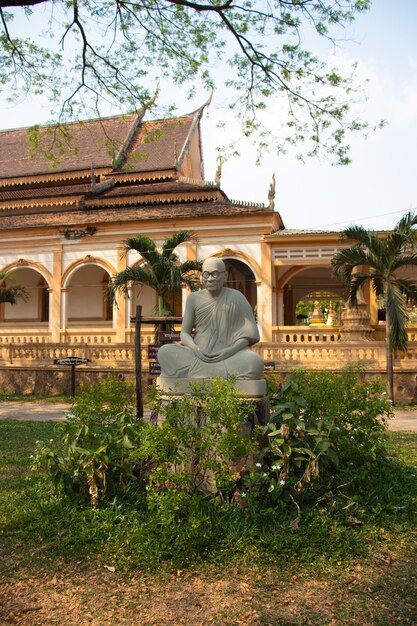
213 274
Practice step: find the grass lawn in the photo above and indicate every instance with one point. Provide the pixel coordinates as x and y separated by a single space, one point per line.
6 396
61 564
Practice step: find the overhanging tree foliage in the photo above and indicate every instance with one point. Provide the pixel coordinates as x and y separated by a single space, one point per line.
381 262
92 52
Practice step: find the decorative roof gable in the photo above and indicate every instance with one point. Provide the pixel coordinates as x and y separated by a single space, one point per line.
122 143
114 169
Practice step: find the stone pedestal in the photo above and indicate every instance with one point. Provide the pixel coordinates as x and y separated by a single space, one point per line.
249 389
252 391
355 324
317 317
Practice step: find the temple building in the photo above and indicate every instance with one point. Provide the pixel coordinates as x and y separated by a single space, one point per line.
68 199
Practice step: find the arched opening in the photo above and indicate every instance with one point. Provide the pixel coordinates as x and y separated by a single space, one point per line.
36 307
308 286
145 296
241 277
88 303
319 307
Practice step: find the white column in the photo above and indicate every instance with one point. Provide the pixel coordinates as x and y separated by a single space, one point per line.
51 311
64 309
264 306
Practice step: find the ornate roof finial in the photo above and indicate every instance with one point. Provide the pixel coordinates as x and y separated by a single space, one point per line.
271 193
218 176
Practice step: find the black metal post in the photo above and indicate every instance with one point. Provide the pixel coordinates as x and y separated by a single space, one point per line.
73 380
138 363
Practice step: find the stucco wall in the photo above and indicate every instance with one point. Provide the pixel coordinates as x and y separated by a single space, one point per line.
54 381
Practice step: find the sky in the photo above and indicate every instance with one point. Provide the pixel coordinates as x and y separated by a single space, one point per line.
377 188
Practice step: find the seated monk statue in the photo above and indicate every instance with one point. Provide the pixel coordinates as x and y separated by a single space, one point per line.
224 327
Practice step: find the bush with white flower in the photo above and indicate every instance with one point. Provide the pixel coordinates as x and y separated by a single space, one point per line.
319 421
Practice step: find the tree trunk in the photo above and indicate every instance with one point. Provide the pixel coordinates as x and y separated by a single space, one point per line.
390 359
160 306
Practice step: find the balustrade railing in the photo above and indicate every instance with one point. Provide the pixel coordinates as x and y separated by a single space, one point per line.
90 336
305 334
318 355
31 354
19 337
291 347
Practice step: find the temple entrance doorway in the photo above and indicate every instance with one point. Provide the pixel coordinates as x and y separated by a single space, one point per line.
241 277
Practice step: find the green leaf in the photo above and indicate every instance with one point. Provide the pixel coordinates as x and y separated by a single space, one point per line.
127 443
274 433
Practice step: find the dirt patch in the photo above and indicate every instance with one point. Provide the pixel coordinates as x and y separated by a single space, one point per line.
378 593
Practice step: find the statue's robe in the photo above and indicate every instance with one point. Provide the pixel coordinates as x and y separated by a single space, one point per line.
218 322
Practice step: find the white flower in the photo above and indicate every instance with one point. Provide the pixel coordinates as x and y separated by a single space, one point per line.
264 474
276 467
282 482
243 494
258 464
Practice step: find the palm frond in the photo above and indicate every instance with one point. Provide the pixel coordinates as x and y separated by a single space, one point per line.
406 223
364 238
176 240
408 259
377 283
144 245
191 274
11 295
357 281
398 317
119 283
191 266
346 261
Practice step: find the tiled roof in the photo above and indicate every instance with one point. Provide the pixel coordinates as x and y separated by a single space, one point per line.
157 188
44 192
157 145
145 179
288 232
114 215
107 194
152 146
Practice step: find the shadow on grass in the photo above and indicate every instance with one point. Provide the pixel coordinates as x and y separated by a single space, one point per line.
38 527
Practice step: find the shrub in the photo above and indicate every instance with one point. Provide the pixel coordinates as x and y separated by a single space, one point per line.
319 420
359 407
92 454
202 444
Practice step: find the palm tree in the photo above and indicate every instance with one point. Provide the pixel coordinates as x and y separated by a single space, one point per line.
10 294
384 260
161 270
